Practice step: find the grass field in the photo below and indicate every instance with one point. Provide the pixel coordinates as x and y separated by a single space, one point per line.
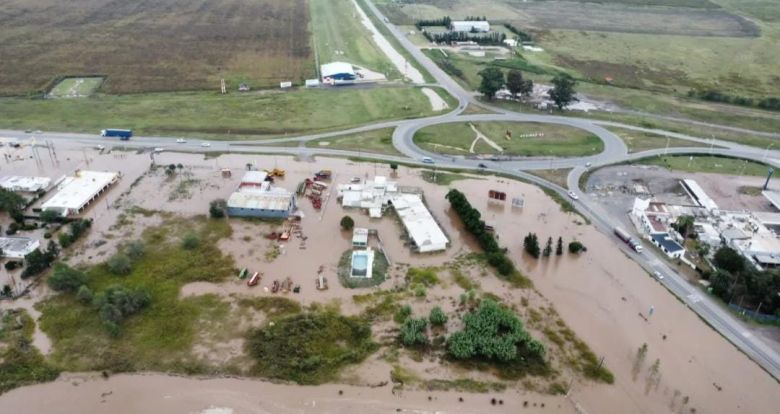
379 141
218 116
339 35
456 139
75 87
162 45
638 141
708 164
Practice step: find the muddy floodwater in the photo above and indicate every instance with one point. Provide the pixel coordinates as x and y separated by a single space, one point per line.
602 295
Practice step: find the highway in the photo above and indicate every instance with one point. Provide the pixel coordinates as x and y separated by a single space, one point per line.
615 151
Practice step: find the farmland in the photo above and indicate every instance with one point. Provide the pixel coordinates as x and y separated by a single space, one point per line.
166 45
218 116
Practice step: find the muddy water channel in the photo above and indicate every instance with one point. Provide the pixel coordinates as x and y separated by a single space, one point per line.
600 294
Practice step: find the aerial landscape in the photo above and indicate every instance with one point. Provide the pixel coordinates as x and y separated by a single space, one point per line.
376 206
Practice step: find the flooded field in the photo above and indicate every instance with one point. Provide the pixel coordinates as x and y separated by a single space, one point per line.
602 295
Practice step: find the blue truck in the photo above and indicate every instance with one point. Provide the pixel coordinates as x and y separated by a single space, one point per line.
122 134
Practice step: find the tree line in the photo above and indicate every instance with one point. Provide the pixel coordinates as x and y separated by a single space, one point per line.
771 103
737 281
523 36
444 21
492 38
496 256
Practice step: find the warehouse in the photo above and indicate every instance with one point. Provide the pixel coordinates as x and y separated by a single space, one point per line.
76 193
470 26
256 197
25 184
337 73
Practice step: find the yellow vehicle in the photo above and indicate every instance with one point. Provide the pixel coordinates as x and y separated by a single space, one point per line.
276 172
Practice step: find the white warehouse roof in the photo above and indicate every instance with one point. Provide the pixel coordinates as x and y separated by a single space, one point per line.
275 199
76 192
698 194
419 223
336 68
467 26
24 184
17 247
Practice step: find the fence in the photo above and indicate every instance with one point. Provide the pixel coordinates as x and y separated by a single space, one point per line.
760 317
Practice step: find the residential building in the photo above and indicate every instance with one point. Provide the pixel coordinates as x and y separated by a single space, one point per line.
17 247
671 248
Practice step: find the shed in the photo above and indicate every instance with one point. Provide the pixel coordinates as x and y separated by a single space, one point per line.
337 72
480 26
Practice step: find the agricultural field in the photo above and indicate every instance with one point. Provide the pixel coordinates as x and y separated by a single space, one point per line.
166 45
527 139
218 116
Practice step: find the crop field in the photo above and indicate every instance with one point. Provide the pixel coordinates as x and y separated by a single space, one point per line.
528 139
164 45
218 116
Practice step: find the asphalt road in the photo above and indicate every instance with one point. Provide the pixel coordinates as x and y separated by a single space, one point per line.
615 151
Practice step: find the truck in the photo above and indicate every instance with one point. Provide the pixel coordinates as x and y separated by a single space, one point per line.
623 235
122 134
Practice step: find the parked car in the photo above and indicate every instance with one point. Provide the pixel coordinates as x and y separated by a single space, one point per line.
482 165
658 275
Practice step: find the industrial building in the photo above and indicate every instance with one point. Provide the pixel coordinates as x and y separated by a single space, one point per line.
256 197
337 73
77 192
25 184
379 194
17 247
470 26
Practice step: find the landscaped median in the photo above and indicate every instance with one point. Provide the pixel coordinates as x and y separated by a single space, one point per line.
508 138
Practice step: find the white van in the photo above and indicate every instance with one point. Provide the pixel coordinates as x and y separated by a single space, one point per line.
427 160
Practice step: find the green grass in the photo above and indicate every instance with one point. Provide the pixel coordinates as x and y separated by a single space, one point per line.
708 164
555 176
218 116
68 86
81 342
20 362
379 141
463 385
310 348
562 141
274 307
638 141
442 178
339 35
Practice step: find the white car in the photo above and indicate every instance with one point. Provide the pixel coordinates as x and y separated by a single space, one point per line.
658 275
158 149
205 144
427 160
100 147
573 195
181 141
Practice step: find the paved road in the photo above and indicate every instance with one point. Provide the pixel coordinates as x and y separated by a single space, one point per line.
614 151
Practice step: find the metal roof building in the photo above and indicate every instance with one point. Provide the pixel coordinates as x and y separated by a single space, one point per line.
17 247
698 195
470 26
25 184
77 192
255 197
337 72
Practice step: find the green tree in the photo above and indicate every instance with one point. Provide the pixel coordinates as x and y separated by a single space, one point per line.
347 223
576 247
413 332
217 208
531 245
393 166
492 81
684 225
559 247
49 216
562 92
66 279
729 260
547 248
517 85
11 203
437 317
117 303
36 262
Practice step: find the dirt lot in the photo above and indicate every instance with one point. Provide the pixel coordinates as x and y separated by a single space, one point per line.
598 295
154 45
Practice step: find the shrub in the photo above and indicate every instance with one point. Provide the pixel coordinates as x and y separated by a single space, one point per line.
135 250
117 303
413 332
402 313
437 317
66 279
218 208
84 294
576 247
347 223
50 216
426 276
190 241
420 291
119 264
11 265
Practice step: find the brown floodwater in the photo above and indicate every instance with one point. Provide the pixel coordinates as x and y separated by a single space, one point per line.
599 294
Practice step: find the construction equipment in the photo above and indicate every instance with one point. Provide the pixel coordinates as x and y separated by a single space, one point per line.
275 286
276 172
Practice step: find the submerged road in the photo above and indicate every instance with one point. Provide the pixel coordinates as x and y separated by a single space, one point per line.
615 151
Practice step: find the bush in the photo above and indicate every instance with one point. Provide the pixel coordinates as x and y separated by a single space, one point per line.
135 250
84 294
531 245
437 317
119 264
218 208
403 313
347 223
50 216
413 332
426 276
576 247
11 265
117 303
190 241
66 279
